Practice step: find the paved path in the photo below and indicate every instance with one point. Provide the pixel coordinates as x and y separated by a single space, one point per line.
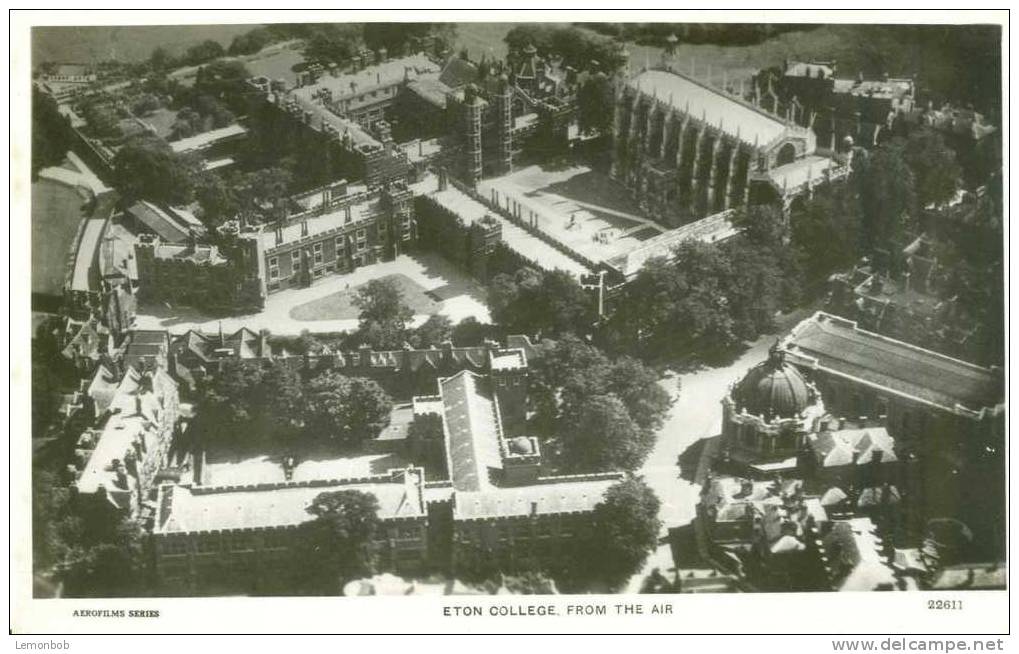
696 415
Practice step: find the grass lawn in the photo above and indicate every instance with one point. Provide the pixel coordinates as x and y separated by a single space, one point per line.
340 305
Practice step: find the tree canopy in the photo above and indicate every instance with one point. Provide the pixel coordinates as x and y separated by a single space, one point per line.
146 168
256 400
552 302
335 544
624 531
599 414
383 314
349 409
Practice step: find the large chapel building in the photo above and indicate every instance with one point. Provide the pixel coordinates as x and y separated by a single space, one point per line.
688 149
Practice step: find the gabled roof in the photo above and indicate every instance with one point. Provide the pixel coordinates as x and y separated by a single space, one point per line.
457 72
471 429
159 221
698 100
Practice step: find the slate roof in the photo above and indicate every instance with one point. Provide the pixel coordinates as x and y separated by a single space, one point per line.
186 509
556 495
471 429
837 346
159 221
697 100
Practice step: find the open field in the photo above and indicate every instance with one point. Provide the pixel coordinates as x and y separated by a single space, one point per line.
124 42
56 214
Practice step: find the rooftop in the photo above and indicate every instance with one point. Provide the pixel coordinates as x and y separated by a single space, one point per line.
557 495
712 229
516 238
698 100
471 429
134 415
372 78
890 88
335 216
795 174
187 509
202 254
206 139
836 345
169 228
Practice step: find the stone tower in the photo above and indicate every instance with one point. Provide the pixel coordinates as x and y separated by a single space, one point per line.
473 107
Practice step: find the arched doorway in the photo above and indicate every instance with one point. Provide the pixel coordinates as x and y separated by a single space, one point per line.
787 154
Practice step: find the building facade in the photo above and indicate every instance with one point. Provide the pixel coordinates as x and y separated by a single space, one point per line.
339 230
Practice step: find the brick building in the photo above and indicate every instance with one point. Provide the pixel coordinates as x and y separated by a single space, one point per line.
338 229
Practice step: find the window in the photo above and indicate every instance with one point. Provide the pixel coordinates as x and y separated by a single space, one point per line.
274 270
317 249
340 244
295 261
362 234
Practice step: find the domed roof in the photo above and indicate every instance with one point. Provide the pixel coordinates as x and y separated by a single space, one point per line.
773 389
520 445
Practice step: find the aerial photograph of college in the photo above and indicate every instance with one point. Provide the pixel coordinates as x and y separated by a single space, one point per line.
347 309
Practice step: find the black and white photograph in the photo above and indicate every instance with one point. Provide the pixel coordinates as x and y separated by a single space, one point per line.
603 308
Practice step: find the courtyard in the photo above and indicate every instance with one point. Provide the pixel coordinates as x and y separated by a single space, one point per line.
581 208
431 285
239 464
340 305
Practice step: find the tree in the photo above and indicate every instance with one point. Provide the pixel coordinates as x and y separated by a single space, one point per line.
934 166
250 42
826 233
435 331
146 168
102 120
383 314
637 387
677 307
109 568
595 104
161 60
887 191
218 200
470 332
336 544
265 187
51 132
332 42
601 415
347 409
626 523
400 37
551 301
205 51
252 400
596 433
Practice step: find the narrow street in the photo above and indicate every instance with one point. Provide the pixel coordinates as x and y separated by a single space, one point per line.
696 415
